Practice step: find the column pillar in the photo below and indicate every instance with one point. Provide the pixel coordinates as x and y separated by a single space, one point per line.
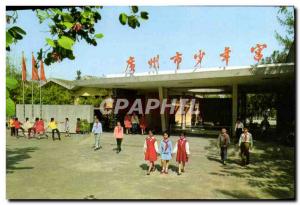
162 116
234 105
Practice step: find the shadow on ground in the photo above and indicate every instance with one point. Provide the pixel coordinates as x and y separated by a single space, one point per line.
17 155
271 169
158 167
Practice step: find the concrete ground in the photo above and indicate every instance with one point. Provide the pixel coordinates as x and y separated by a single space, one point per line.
71 169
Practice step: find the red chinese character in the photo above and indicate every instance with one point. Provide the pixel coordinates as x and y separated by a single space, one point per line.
177 59
258 51
198 57
154 63
225 56
130 65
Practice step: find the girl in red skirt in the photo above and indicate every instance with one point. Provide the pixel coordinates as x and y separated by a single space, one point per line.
127 123
150 151
143 124
182 149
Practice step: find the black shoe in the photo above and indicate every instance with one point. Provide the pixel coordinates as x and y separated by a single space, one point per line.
178 173
148 173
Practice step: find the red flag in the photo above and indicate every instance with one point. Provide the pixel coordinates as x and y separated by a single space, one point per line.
34 75
42 72
23 68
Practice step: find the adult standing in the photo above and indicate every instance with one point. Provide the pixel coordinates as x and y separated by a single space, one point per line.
118 134
239 126
264 127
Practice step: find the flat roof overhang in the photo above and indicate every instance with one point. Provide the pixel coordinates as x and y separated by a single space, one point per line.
268 74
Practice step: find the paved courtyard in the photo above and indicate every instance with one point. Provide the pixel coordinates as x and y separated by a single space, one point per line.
71 169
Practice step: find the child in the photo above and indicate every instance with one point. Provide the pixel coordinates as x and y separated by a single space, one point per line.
78 126
53 126
143 124
118 134
28 127
245 143
67 128
223 142
97 130
135 123
150 151
12 126
182 148
17 125
35 124
165 150
127 123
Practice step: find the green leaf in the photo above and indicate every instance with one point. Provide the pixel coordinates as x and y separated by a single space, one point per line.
86 14
99 35
135 9
18 30
11 83
83 20
132 21
67 24
144 15
57 11
67 17
10 107
50 42
66 42
9 39
123 18
15 34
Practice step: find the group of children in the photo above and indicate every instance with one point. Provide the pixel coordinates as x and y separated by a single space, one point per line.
36 129
151 148
182 151
132 122
151 151
29 130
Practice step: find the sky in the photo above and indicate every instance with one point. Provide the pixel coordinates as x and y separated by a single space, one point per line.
185 29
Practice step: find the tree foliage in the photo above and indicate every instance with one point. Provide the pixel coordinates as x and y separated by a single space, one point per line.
15 33
90 100
67 26
13 82
52 94
285 17
257 104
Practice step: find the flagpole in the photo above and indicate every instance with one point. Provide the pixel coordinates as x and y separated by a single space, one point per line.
23 82
32 109
23 99
40 99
